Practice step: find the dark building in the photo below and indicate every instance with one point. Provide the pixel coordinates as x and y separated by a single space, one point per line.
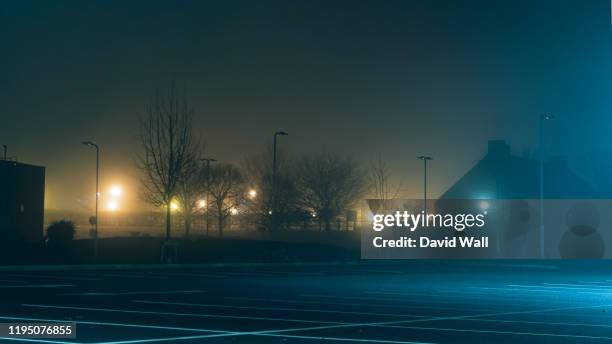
502 175
22 202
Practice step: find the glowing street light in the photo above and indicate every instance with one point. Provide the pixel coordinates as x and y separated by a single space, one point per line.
115 191
234 211
252 193
112 205
484 205
202 204
174 205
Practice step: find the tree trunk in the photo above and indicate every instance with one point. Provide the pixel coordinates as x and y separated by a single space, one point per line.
188 222
220 224
168 221
327 224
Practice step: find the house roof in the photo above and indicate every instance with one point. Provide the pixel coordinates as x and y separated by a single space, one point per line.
501 175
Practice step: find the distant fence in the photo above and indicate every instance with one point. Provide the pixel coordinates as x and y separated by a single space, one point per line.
152 224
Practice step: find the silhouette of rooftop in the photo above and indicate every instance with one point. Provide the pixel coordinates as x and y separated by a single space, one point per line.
502 175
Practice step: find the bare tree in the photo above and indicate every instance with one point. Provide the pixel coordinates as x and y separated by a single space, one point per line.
258 176
168 149
191 189
329 185
381 184
227 191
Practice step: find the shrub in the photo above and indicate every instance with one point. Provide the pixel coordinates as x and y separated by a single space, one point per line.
60 232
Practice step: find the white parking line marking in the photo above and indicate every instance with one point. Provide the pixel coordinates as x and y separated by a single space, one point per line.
552 288
36 286
459 317
405 304
282 332
274 308
197 315
184 274
37 340
537 334
129 276
342 339
161 292
400 305
35 276
101 323
505 302
549 323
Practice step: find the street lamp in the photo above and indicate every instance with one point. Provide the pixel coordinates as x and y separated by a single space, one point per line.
112 205
94 145
425 160
208 161
543 118
276 134
115 191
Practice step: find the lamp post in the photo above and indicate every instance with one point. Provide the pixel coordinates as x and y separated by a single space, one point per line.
94 145
543 118
425 160
276 134
208 161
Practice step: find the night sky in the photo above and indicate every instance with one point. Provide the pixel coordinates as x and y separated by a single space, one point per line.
401 78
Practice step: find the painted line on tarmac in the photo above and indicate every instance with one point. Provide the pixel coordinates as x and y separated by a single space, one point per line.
33 340
342 339
126 275
425 298
219 333
62 268
577 285
36 286
311 302
547 323
281 332
205 305
596 282
178 274
102 323
153 340
196 315
526 291
470 298
249 273
62 277
296 273
459 317
401 305
161 292
406 305
521 266
553 288
368 271
522 291
518 333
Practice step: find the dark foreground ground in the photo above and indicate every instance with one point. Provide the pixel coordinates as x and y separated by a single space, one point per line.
298 246
373 302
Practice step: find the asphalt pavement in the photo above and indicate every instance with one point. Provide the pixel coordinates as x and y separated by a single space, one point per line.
366 302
